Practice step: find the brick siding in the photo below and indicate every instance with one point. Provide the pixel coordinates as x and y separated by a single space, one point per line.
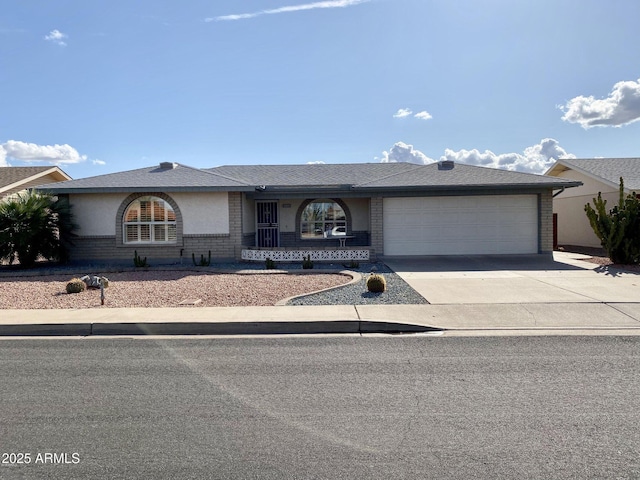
545 209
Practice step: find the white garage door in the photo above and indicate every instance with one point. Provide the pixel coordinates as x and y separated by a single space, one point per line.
473 225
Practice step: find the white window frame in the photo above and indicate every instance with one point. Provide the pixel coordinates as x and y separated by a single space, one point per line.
167 225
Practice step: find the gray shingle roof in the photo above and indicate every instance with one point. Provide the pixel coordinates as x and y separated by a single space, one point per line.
385 176
151 179
11 175
460 175
608 169
356 176
311 174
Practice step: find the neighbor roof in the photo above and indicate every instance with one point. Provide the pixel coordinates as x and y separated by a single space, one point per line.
607 170
17 178
291 178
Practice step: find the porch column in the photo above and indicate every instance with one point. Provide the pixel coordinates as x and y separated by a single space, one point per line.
235 223
545 213
377 240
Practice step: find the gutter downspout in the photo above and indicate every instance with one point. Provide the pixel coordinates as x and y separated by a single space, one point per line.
558 193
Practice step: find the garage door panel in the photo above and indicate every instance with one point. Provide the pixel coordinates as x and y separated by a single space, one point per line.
460 225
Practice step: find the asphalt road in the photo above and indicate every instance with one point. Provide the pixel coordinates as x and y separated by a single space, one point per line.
330 407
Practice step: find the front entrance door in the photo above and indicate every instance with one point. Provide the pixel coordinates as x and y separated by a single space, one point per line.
267 231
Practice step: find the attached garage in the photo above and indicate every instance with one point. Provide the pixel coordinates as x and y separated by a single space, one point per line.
461 225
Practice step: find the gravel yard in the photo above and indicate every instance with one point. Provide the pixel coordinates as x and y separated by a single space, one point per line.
158 288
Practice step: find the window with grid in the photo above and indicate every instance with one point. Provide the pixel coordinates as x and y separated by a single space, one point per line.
322 219
149 220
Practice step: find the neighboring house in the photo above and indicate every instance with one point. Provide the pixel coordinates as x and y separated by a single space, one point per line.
331 211
597 175
14 180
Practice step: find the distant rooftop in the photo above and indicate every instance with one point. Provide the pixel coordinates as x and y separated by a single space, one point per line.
608 170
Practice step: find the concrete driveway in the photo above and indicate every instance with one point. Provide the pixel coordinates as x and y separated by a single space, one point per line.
516 279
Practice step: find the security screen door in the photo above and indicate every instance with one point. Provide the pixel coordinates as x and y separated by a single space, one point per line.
267 222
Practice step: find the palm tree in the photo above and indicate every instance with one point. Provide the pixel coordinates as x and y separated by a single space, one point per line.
34 225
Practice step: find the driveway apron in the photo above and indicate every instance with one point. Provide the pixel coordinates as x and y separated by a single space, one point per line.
565 278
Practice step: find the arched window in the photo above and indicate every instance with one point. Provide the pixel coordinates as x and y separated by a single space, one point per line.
323 218
149 220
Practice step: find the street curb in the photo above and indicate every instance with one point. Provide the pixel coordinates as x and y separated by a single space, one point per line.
46 329
218 328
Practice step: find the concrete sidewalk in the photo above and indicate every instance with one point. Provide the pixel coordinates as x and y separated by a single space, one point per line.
324 319
478 294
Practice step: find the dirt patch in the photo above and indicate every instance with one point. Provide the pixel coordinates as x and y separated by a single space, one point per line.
164 289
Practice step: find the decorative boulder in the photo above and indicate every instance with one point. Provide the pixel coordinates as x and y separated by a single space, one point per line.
93 281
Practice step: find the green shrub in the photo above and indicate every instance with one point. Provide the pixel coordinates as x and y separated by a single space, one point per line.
376 283
618 229
354 264
269 264
139 262
75 285
35 225
203 262
306 262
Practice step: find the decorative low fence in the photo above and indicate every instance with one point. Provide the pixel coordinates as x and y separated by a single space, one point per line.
297 255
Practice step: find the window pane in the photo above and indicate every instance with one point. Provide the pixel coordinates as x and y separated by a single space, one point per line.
173 233
145 233
131 232
158 211
171 216
328 211
159 233
132 214
145 211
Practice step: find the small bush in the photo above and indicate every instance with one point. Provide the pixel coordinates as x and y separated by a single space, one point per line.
376 283
269 264
204 262
354 264
75 285
306 262
139 262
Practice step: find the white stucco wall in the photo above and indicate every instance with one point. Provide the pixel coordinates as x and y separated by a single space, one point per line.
573 224
202 213
96 214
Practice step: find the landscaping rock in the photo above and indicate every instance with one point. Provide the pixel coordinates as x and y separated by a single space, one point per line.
93 281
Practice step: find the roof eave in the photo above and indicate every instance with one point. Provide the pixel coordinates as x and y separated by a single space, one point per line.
154 189
491 186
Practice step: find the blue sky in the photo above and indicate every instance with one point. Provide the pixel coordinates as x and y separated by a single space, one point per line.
102 86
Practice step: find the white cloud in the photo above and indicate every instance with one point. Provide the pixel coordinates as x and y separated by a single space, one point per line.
287 9
98 162
535 159
3 158
401 152
31 152
402 112
57 37
423 115
316 162
621 107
